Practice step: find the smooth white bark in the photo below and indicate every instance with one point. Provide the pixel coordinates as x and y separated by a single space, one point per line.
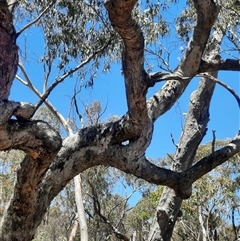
80 208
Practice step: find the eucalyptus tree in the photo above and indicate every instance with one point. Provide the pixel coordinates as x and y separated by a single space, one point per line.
80 38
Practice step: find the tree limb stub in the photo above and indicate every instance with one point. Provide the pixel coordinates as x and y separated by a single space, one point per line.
223 64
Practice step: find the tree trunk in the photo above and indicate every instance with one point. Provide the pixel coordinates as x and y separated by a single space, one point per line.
194 130
201 221
74 229
80 208
8 51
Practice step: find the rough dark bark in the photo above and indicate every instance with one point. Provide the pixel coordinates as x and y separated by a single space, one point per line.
8 51
41 143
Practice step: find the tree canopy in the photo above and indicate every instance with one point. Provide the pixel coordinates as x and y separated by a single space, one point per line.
78 42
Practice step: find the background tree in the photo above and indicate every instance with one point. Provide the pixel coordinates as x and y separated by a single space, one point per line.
79 39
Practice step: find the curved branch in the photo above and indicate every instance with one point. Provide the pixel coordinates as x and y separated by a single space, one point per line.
132 57
223 85
52 109
211 161
163 100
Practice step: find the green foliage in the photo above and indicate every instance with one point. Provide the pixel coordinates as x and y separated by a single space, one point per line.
44 114
74 32
228 21
9 164
140 217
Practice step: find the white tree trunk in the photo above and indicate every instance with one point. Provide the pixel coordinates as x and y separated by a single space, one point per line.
74 229
80 208
201 221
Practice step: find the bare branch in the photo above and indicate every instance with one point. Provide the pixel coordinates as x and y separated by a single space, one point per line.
97 209
67 74
29 84
207 12
213 141
224 64
77 110
170 157
35 20
132 57
222 84
163 100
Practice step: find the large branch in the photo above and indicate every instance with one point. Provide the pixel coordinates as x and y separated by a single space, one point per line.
223 64
163 100
132 56
193 132
88 148
208 163
95 145
41 143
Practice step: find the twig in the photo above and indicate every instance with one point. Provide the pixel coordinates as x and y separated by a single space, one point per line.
35 20
97 209
173 141
70 72
170 157
222 84
29 84
213 142
77 110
